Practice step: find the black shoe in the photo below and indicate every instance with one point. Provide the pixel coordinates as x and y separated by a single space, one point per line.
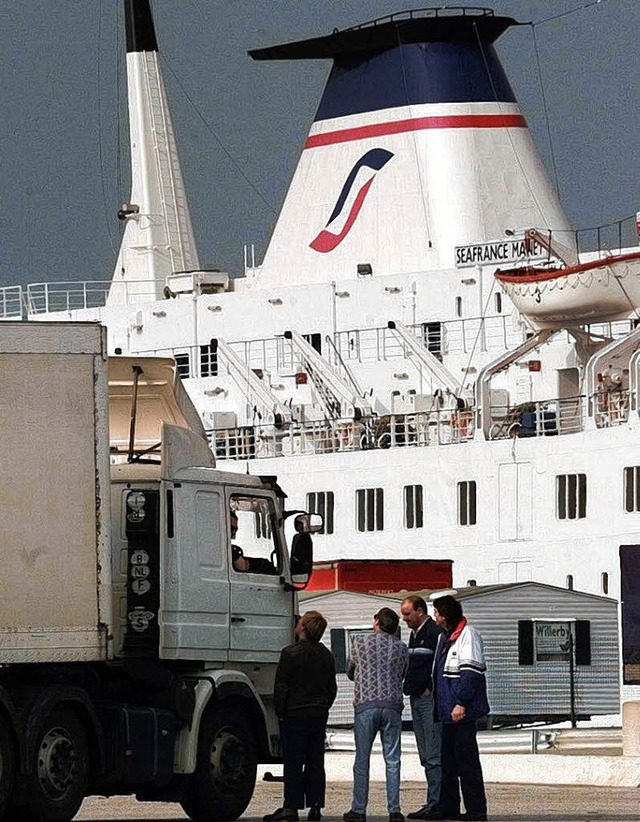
282 815
314 815
436 813
473 817
428 813
354 816
419 814
396 816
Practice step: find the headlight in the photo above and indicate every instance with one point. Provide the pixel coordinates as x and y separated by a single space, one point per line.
135 506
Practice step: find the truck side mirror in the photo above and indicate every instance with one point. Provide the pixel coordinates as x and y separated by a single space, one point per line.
308 523
301 560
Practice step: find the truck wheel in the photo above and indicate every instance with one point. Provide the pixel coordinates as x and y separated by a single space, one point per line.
57 783
225 775
7 766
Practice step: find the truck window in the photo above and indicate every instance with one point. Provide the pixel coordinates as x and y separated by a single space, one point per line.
254 540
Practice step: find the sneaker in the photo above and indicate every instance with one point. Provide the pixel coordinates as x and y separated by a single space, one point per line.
396 817
282 815
354 816
315 814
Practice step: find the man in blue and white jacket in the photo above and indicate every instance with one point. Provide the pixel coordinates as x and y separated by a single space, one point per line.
460 700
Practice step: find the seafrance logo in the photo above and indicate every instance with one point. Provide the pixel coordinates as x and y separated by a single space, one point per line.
349 203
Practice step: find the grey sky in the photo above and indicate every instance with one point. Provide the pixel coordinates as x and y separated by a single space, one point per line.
62 182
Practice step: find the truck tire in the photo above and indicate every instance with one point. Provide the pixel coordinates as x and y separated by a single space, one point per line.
7 766
225 777
59 773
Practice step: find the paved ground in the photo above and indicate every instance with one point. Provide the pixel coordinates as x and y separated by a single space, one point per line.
507 803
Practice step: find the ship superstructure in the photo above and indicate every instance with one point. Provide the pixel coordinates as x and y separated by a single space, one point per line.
373 360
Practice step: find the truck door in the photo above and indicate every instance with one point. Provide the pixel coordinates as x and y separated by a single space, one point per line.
261 610
195 590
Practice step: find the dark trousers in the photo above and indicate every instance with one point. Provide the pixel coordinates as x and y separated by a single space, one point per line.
303 757
461 770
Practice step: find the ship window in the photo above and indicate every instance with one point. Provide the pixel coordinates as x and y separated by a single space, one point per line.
413 510
632 488
467 502
370 509
263 524
315 341
498 302
604 582
571 492
458 306
209 360
321 502
432 338
182 364
570 582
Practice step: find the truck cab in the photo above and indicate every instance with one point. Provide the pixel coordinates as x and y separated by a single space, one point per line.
152 594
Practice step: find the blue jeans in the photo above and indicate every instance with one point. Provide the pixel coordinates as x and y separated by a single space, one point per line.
429 741
366 726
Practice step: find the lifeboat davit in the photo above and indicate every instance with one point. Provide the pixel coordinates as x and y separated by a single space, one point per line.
556 295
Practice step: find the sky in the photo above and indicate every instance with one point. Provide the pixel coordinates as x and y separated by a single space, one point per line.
240 124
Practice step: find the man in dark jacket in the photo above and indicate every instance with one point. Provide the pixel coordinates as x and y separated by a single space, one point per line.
305 688
418 685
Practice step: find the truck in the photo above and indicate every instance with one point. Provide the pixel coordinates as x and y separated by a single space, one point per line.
136 655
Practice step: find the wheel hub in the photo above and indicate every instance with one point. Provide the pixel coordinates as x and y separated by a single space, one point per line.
57 763
227 761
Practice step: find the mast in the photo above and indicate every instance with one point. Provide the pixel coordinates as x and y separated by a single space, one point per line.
158 236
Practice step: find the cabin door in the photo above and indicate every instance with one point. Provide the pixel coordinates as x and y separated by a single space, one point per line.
569 412
515 515
261 611
630 598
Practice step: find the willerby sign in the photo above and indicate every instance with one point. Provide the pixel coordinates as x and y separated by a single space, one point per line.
552 641
505 251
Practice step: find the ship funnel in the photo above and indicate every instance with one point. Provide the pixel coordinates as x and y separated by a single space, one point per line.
418 152
158 237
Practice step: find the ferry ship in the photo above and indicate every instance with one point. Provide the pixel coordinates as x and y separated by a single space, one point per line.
429 354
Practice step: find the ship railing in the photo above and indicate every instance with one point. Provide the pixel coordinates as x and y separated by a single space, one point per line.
611 408
11 302
543 418
49 298
418 430
609 237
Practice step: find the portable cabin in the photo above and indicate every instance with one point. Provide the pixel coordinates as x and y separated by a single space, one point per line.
552 653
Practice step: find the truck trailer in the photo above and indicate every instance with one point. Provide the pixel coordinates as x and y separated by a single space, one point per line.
137 653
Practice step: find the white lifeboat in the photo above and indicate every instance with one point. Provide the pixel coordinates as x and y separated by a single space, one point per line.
597 291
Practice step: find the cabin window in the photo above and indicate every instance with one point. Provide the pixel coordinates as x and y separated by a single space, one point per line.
542 641
604 582
458 306
370 509
182 364
321 502
413 510
315 341
632 488
498 302
209 360
569 581
571 496
467 502
432 338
